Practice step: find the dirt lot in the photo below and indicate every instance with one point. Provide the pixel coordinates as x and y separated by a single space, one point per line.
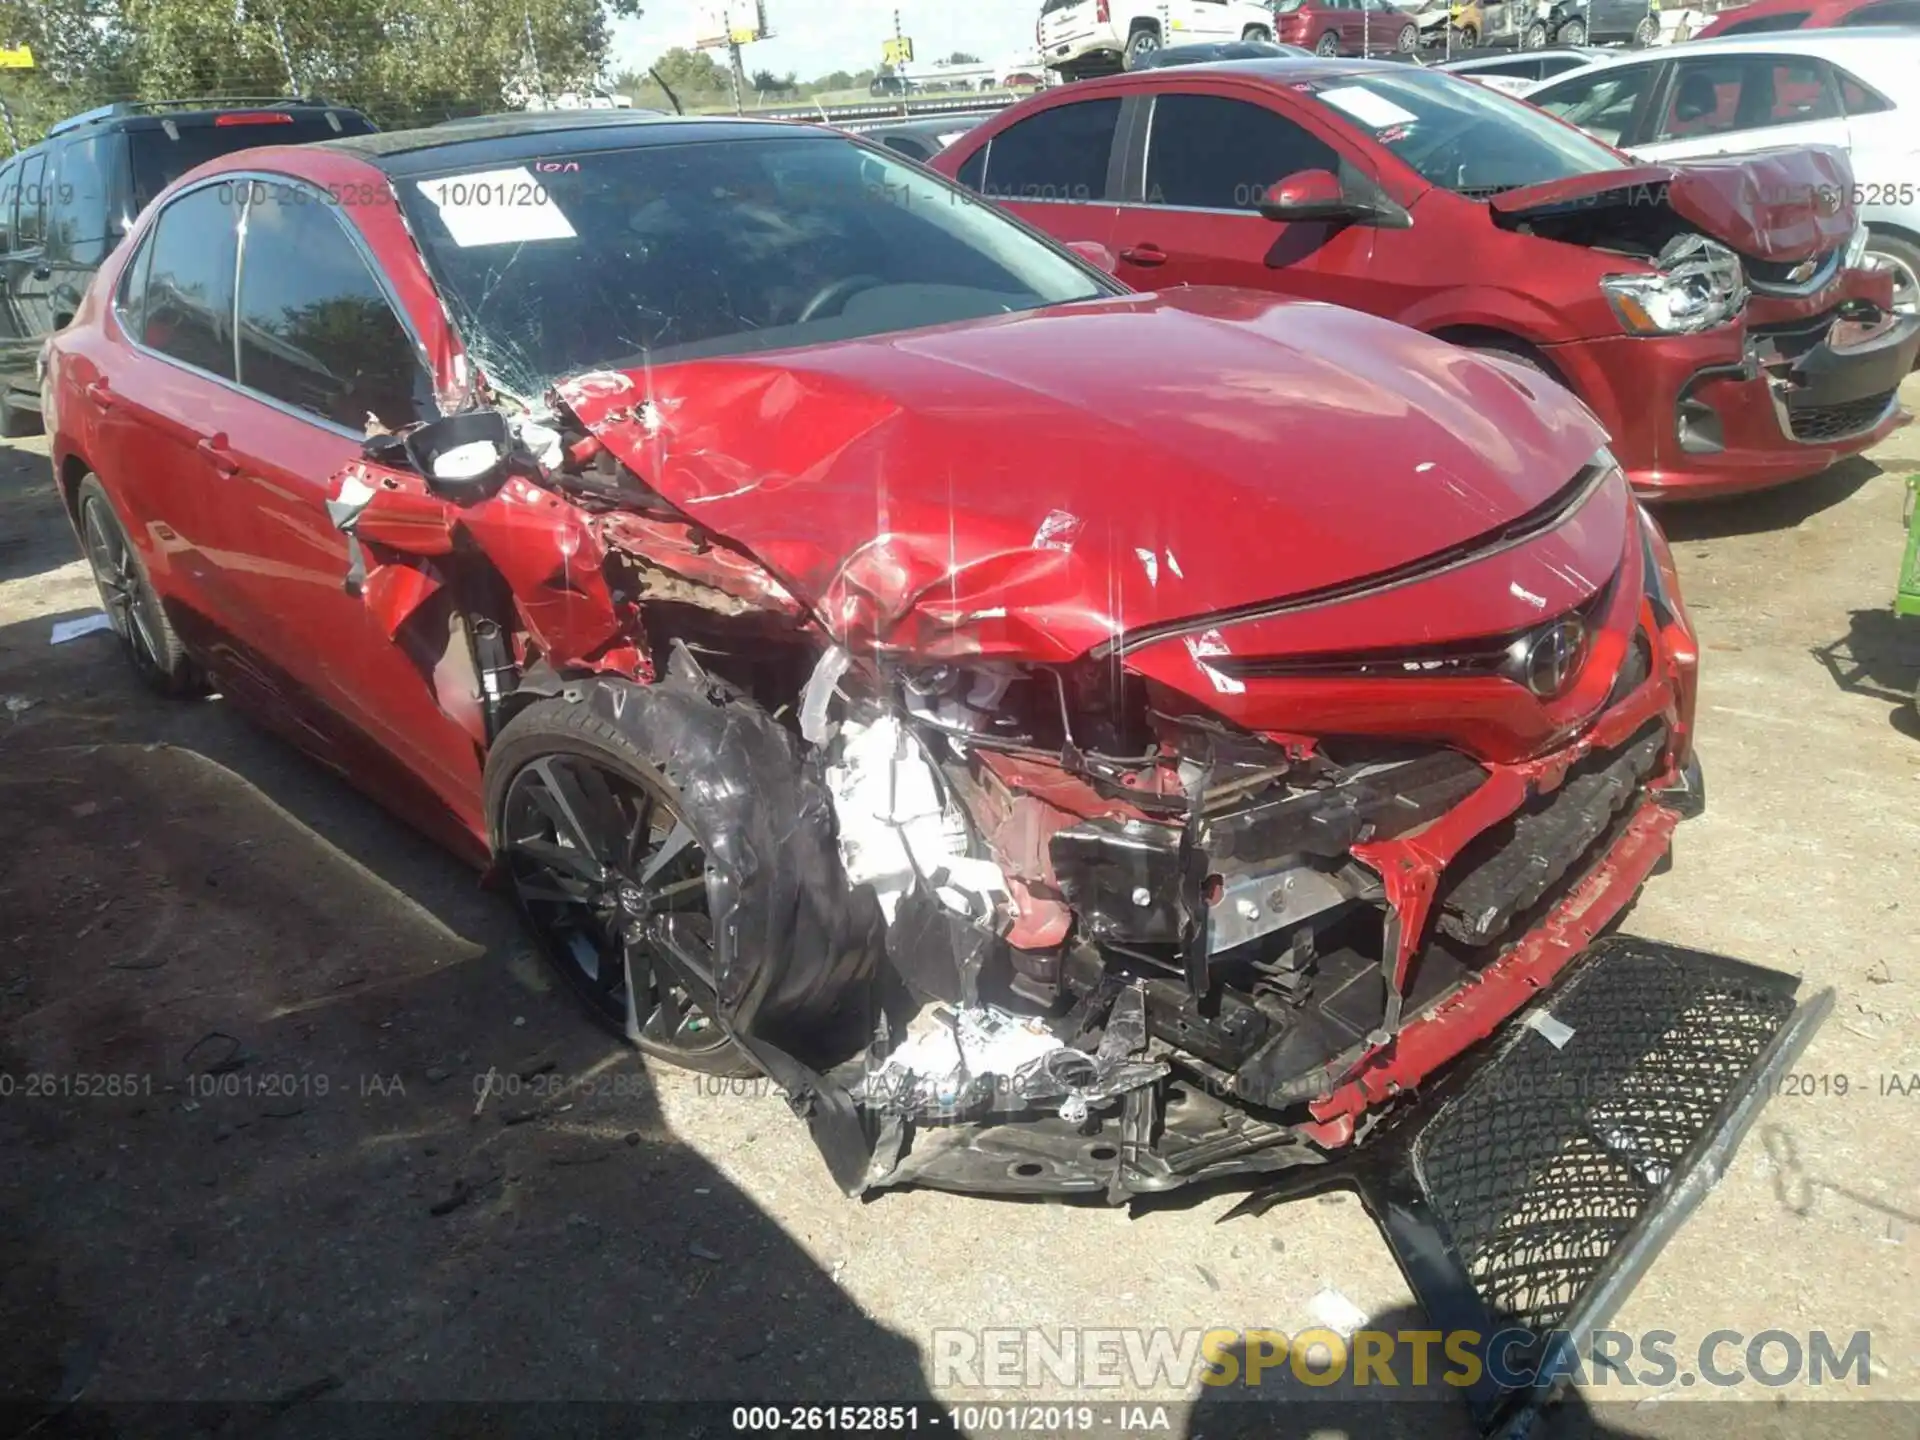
244 1017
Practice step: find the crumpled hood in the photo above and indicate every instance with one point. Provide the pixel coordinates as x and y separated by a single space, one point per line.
1770 204
1034 484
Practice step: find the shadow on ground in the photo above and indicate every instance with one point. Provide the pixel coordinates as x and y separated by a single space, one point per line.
294 1117
1781 508
1879 658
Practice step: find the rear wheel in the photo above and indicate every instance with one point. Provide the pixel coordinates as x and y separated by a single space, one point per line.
1646 32
1902 257
1534 37
1468 36
128 597
1408 40
597 847
1142 43
1257 33
1328 44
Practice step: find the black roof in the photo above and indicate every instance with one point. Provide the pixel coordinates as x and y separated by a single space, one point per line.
506 139
189 114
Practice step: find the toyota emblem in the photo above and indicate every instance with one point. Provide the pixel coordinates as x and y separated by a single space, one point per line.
1552 657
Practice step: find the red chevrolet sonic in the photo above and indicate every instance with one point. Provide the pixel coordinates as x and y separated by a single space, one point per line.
1709 313
874 648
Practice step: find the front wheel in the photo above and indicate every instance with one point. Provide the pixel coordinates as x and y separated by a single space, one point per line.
1646 32
1469 37
1574 32
594 840
1140 45
1902 257
1329 44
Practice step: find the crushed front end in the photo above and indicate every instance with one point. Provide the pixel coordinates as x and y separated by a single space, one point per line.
1204 902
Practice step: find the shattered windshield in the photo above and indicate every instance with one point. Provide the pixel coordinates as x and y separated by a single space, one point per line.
601 259
1462 136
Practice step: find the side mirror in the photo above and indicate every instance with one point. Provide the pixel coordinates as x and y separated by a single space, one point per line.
1094 253
1312 195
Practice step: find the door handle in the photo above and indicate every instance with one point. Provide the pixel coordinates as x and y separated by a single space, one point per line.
99 394
1147 254
214 447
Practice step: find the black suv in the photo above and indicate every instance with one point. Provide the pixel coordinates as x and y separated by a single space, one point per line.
65 203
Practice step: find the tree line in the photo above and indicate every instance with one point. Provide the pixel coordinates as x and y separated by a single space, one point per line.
402 61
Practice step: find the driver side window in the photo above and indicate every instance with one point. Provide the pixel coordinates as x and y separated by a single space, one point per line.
1207 152
1602 105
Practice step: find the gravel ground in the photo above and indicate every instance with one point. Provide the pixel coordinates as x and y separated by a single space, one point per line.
300 1198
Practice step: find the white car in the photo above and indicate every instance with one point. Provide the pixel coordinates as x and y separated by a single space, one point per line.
1085 37
1849 88
1516 71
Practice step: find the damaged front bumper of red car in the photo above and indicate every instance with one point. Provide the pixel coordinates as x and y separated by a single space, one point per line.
1020 900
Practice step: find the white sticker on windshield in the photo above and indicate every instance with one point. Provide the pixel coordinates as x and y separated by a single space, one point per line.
497 207
1367 107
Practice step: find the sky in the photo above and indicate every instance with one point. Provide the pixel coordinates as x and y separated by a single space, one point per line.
815 37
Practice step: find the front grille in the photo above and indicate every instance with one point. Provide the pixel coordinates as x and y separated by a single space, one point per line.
1549 1157
1453 659
1513 866
1816 423
1775 277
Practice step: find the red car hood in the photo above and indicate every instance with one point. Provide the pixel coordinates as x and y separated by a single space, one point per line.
1772 204
1035 483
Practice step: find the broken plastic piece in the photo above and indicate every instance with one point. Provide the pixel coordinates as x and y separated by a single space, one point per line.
819 693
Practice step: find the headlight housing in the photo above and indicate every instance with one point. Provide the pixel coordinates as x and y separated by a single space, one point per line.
1698 285
1857 247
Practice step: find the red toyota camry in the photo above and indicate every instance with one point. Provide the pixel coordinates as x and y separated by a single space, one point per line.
1071 740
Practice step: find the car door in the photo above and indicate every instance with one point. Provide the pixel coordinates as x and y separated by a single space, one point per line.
10 346
323 348
1053 168
1213 20
25 274
164 413
1606 103
1732 104
78 226
1206 162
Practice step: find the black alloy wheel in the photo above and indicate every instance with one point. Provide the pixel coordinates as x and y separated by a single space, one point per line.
603 865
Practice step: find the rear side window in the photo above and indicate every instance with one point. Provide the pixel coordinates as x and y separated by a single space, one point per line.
130 297
316 330
159 159
1858 98
81 186
33 194
1209 152
1791 20
1059 154
1745 92
188 312
1890 12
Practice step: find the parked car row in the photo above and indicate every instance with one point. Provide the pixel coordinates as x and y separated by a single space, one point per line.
1719 317
1082 38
